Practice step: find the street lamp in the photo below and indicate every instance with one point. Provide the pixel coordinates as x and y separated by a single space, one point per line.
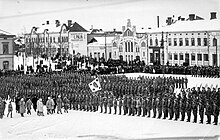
33 30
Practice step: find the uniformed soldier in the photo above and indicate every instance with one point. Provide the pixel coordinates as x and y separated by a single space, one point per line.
215 113
165 107
110 104
101 103
188 109
144 106
171 107
105 102
120 105
201 108
115 105
154 106
208 113
138 101
125 105
149 106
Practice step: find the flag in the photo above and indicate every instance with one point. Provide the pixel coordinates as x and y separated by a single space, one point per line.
95 85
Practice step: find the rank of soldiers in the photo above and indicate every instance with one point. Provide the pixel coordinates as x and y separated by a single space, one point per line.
141 96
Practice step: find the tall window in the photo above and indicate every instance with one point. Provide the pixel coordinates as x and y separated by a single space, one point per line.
156 42
131 57
169 42
205 41
193 57
143 44
131 46
180 41
187 41
199 41
143 54
151 57
206 57
181 56
137 49
175 42
170 56
175 57
151 42
126 47
192 42
120 49
5 47
199 57
5 65
214 42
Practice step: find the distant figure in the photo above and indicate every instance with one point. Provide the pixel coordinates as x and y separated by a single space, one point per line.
22 107
40 107
34 101
59 105
2 108
66 104
50 105
28 105
10 109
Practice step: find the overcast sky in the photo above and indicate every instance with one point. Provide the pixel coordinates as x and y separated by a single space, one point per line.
18 16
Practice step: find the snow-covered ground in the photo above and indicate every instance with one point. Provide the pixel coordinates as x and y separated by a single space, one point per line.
79 125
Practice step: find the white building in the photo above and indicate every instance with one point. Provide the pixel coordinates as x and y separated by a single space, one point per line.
7 51
99 46
130 45
190 42
48 40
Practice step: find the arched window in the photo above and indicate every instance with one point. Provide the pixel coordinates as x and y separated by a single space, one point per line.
143 44
5 65
114 44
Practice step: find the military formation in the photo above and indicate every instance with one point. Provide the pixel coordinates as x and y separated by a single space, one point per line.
146 96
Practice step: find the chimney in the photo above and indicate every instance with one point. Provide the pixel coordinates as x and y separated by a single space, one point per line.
69 22
114 30
57 22
169 20
158 21
134 30
191 16
123 28
213 15
47 22
129 23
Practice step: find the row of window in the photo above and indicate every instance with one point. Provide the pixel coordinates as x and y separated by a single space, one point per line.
193 57
187 42
52 39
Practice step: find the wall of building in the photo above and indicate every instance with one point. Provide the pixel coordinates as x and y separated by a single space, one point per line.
8 55
78 43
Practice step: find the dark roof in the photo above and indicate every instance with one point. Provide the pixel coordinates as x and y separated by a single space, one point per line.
77 28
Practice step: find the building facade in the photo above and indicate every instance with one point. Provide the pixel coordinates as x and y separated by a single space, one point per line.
130 45
50 41
190 42
7 51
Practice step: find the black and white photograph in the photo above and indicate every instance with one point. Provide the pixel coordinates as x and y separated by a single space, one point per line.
109 70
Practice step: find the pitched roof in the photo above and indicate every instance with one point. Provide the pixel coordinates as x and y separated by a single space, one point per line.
75 27
186 26
101 41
